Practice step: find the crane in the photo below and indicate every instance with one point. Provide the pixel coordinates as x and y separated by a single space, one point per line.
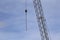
40 19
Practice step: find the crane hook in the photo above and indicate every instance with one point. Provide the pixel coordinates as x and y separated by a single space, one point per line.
25 10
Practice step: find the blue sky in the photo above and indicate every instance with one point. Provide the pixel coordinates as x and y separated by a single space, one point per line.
12 20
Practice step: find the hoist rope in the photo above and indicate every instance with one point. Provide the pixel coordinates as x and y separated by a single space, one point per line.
26 13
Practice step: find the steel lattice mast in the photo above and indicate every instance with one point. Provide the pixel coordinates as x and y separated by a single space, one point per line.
41 20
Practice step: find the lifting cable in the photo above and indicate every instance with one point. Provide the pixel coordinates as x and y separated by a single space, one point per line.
26 13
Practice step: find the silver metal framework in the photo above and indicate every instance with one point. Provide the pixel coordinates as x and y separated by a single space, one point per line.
40 19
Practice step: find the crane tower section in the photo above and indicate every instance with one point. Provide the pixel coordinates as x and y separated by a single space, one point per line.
40 19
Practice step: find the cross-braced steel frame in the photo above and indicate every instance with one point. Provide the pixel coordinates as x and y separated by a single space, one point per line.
41 19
